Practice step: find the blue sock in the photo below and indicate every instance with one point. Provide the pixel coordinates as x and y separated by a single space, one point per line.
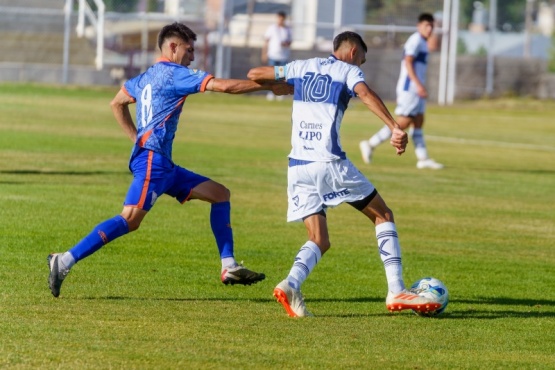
220 220
102 234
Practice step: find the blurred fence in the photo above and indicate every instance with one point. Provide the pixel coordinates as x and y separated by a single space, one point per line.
230 40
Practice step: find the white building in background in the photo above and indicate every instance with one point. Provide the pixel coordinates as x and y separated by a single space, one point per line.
313 22
546 15
318 21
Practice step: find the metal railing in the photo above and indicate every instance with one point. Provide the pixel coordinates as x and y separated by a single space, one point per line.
85 12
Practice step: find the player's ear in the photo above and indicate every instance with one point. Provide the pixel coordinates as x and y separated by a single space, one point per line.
353 52
173 46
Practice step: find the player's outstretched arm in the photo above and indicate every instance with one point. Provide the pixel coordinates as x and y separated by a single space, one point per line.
266 75
231 86
120 109
262 74
399 138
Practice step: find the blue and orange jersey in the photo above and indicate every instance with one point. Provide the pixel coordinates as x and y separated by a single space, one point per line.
160 93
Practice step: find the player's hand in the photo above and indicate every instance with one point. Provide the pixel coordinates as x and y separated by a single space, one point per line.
421 91
399 140
282 88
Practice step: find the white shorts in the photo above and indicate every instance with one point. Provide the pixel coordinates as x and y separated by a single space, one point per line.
315 186
409 104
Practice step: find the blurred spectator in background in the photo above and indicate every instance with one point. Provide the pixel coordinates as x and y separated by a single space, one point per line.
276 49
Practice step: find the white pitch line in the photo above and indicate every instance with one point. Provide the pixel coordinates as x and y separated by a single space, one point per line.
502 144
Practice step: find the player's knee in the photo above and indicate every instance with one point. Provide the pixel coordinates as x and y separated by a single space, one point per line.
323 244
385 216
223 195
133 225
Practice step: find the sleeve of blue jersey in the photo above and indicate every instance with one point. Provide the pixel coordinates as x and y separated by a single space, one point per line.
188 81
129 86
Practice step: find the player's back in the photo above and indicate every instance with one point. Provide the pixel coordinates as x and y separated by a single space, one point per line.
160 93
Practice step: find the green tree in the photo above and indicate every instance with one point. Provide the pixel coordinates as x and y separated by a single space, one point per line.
551 61
510 12
121 6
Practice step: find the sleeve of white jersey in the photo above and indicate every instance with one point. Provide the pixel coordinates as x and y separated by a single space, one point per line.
354 76
290 71
411 46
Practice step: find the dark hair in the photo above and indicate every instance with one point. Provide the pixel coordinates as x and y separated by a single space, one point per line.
348 36
282 14
426 17
178 30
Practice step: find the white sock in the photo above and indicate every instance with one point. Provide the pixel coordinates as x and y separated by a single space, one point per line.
228 262
390 253
419 144
379 137
67 260
305 261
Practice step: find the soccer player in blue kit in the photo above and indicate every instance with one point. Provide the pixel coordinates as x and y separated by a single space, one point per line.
320 175
160 93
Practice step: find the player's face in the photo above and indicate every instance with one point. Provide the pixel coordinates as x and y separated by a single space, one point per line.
359 57
425 28
185 52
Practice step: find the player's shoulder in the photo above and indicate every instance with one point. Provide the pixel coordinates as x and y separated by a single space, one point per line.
414 39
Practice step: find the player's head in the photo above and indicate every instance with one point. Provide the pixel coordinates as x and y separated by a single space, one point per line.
281 17
349 47
177 43
425 25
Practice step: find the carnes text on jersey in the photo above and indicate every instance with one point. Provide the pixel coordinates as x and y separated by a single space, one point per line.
310 135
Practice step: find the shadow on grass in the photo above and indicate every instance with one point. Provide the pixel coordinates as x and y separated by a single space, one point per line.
64 173
452 313
507 301
516 170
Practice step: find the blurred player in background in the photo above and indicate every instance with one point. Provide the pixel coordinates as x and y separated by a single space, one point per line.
160 94
411 96
321 176
276 48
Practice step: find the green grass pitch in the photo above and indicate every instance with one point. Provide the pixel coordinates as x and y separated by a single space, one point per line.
485 226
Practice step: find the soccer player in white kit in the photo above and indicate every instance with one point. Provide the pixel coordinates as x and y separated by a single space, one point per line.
320 175
411 96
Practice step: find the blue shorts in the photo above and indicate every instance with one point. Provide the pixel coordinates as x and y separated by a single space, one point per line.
154 175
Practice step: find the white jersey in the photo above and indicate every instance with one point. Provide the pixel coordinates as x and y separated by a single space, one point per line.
416 47
276 36
323 88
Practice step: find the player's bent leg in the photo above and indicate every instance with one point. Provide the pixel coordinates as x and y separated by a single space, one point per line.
60 264
317 229
211 191
133 216
398 297
373 206
232 273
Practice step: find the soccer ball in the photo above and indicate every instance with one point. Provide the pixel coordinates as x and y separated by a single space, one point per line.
434 289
